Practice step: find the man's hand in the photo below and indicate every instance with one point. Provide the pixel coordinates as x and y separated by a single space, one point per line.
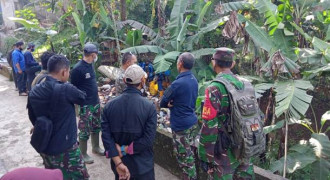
170 104
20 71
118 147
123 172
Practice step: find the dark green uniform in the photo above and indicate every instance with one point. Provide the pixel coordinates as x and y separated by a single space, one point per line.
71 164
215 111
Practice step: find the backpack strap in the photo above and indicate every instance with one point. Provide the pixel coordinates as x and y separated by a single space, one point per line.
54 98
41 78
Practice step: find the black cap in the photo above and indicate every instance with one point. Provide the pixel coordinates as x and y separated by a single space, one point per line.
31 45
19 43
90 48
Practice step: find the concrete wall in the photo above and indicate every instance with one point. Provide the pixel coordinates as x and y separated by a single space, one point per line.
165 157
8 10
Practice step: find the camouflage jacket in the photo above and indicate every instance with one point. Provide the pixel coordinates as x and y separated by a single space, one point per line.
215 111
120 84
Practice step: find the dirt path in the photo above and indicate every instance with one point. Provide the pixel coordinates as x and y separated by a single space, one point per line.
15 148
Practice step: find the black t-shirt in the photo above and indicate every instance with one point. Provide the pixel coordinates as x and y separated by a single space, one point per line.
84 78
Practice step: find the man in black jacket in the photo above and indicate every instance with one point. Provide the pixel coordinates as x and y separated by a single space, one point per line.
62 151
129 128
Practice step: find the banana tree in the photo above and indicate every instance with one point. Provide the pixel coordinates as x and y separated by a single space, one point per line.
185 28
314 152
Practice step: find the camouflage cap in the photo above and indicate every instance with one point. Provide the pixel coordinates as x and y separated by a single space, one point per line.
224 54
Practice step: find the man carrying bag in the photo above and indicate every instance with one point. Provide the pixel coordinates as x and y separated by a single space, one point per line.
51 111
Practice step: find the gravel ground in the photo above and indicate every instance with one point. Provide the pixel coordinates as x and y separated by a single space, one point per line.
16 150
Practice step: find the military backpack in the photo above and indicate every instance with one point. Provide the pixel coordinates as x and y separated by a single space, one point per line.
244 127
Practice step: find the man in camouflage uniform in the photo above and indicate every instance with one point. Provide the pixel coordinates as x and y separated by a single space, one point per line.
220 163
55 98
128 60
84 78
71 163
181 97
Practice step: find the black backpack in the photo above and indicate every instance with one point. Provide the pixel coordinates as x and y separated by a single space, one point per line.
43 126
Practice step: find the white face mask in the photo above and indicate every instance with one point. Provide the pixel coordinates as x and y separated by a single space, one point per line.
95 59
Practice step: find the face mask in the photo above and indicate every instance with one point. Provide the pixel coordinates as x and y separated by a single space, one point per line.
32 50
95 59
21 49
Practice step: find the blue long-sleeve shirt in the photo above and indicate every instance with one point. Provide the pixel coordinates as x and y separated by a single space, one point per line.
29 60
18 58
183 92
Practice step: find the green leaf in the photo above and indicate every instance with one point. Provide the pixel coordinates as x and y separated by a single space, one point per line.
80 28
320 45
134 37
202 14
292 97
270 128
183 32
203 52
321 145
176 18
325 117
144 49
327 38
80 5
269 9
301 31
262 88
163 63
234 6
137 25
295 161
194 39
316 72
260 38
27 24
104 16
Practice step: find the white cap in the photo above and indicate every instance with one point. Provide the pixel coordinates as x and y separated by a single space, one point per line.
134 74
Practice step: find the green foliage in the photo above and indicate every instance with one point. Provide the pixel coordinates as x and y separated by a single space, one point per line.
134 37
27 14
291 97
269 9
144 49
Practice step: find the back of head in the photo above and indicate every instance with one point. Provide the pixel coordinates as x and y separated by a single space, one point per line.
44 59
126 57
224 57
187 59
19 43
30 46
56 63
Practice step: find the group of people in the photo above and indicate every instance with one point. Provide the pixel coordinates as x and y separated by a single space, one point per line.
128 123
24 66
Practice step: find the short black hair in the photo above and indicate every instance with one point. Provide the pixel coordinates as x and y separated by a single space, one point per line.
19 43
224 64
127 57
44 59
56 63
187 59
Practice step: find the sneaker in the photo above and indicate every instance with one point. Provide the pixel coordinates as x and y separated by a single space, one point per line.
23 94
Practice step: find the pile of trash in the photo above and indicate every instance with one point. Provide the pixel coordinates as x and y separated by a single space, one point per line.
107 93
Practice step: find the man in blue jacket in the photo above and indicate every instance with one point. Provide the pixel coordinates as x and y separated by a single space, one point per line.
62 151
19 68
181 97
31 65
129 125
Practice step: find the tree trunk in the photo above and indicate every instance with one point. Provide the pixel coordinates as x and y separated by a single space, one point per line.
161 16
122 10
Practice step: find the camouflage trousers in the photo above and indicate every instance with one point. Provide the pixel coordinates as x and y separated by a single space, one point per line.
71 164
227 167
90 120
182 143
